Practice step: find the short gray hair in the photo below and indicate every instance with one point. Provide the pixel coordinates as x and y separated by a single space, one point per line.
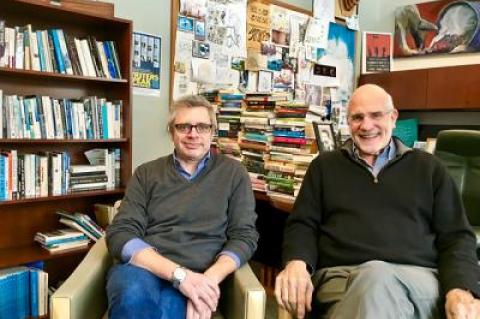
190 101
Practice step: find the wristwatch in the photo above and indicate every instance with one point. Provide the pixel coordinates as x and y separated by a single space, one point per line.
178 275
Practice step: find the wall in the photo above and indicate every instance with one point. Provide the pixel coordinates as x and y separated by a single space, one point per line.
378 15
150 139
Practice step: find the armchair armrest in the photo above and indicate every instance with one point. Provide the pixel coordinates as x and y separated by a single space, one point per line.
83 295
243 297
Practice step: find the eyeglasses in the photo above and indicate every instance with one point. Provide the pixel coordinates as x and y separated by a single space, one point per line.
202 128
358 118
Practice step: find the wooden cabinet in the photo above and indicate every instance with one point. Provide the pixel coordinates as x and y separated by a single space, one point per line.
22 218
446 88
408 88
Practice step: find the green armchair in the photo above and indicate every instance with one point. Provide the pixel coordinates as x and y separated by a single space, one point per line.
83 295
459 150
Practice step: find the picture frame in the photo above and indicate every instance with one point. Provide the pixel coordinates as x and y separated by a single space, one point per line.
185 24
264 81
200 49
324 136
377 52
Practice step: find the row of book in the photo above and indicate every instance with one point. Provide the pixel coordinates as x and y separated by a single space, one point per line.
44 117
51 173
23 293
54 50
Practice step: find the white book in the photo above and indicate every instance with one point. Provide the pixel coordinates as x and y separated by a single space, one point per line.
46 51
48 117
88 58
56 174
14 169
81 120
10 40
81 56
57 115
43 176
77 169
42 293
19 52
35 58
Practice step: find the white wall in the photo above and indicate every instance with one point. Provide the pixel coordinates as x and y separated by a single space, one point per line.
378 15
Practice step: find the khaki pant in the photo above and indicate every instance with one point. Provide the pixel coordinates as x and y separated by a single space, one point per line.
377 290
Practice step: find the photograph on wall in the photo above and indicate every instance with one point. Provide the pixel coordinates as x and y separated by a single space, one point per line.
146 64
444 26
185 24
325 137
201 49
376 52
193 8
199 29
280 25
264 81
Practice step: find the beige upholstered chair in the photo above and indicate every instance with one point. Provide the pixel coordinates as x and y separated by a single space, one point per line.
83 296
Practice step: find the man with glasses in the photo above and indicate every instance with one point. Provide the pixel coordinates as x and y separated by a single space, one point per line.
187 221
378 230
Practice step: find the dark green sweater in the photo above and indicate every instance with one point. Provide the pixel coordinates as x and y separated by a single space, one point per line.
189 222
413 214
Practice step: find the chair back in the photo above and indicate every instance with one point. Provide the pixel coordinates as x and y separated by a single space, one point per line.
459 150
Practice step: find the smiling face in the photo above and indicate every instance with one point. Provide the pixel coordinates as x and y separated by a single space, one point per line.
192 146
371 118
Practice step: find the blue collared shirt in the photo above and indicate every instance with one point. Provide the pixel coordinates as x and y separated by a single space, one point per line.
135 245
385 156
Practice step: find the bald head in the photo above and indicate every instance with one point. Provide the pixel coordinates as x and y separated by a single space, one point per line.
370 94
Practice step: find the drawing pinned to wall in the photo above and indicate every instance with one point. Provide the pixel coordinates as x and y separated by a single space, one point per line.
258 24
376 52
146 64
226 25
444 26
283 80
264 82
340 52
200 49
193 8
280 26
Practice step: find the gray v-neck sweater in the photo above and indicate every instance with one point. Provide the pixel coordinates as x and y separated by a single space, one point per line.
189 222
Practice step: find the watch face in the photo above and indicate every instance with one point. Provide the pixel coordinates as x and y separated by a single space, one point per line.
179 274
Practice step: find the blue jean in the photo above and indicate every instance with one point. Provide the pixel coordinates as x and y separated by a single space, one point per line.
134 292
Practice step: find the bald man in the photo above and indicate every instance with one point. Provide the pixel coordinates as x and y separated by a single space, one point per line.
378 230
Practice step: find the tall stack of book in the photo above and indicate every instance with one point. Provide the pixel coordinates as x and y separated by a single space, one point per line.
62 239
290 153
228 119
23 293
53 50
88 177
256 135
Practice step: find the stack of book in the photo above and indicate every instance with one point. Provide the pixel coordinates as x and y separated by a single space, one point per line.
290 152
23 293
256 135
62 239
83 223
53 50
88 177
228 119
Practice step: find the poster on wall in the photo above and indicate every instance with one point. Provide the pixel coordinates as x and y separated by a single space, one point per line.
146 64
376 52
444 26
258 24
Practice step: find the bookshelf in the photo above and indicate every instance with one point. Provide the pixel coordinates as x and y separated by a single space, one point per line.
22 218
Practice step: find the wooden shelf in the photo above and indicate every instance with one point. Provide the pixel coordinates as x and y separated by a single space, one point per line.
14 256
60 141
57 76
118 191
